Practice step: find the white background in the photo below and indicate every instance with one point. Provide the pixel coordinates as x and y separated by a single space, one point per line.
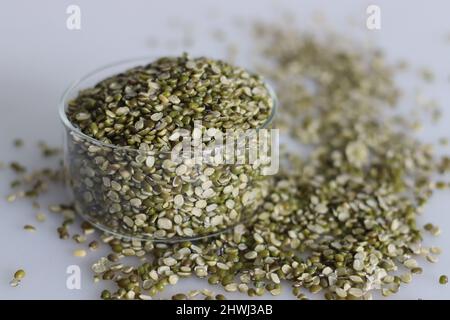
40 57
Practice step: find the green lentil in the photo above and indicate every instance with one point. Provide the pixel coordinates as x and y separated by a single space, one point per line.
41 217
29 228
79 253
14 283
11 197
15 184
214 279
87 228
18 143
78 238
179 296
93 245
17 167
106 295
19 274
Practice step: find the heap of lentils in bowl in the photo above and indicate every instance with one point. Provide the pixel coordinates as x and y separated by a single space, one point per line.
155 104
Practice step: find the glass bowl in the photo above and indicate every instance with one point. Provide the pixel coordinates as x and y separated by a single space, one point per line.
140 194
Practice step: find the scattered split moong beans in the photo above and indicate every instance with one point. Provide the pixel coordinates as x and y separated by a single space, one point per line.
339 221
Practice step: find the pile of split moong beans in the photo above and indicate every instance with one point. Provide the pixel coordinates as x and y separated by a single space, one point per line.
338 220
135 179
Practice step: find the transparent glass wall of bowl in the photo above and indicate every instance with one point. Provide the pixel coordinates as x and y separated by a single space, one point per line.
131 193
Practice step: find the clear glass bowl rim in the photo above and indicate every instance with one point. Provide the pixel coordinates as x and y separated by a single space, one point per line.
139 61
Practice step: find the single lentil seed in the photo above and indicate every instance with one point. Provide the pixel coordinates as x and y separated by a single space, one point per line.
19 274
79 253
29 228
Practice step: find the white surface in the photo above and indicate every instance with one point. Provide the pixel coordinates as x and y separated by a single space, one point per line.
40 57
